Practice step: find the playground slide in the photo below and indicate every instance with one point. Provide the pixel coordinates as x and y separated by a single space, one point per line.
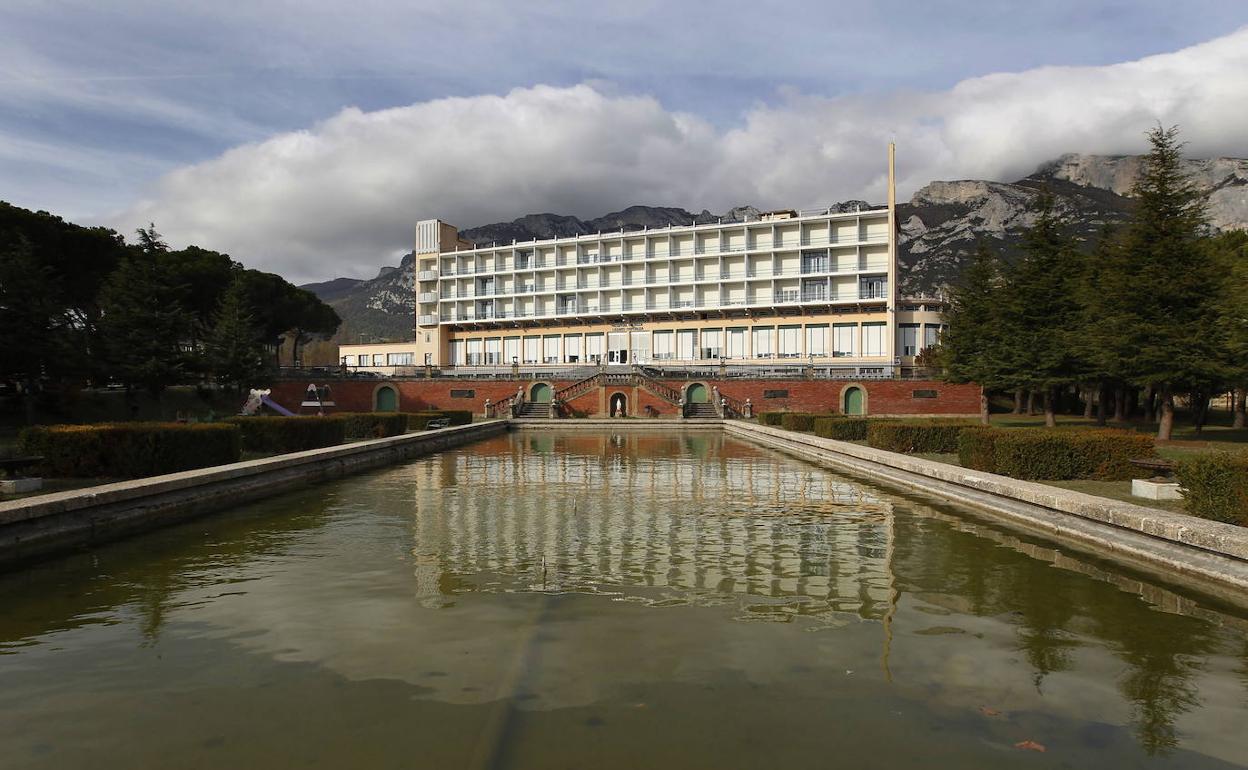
270 403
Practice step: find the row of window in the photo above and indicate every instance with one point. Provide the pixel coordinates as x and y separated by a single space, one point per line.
380 359
757 342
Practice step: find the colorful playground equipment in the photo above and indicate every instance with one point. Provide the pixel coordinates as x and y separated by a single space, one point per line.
260 398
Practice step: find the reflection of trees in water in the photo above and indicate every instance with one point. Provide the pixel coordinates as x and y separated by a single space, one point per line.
148 571
1053 609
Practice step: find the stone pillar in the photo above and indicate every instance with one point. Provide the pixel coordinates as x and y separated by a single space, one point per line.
487 409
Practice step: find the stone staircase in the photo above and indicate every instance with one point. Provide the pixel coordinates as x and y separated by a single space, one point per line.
701 412
535 410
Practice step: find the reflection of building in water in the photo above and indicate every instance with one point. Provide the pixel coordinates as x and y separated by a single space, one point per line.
685 512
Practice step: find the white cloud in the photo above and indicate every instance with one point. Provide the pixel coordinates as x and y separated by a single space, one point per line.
343 196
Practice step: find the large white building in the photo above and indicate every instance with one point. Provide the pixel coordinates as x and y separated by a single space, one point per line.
813 288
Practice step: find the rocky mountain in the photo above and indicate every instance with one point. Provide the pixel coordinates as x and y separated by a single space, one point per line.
939 227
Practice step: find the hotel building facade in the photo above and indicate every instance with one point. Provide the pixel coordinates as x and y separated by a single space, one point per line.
814 288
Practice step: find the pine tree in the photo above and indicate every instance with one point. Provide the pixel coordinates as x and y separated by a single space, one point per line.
1161 310
971 348
235 346
145 330
1039 310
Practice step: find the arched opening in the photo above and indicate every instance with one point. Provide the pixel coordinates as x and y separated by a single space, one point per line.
853 402
618 405
386 399
696 394
540 393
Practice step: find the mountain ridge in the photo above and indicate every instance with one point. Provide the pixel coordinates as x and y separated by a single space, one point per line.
938 228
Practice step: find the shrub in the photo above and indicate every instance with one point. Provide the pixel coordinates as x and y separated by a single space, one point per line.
922 436
1215 486
130 450
373 424
1054 454
277 435
770 418
797 421
842 428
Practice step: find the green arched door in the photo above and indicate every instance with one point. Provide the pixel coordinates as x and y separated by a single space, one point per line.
696 394
853 401
540 394
387 399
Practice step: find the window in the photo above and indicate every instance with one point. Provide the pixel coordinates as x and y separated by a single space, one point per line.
493 351
662 346
550 349
815 262
775 394
931 335
572 348
474 353
463 394
532 349
763 341
817 341
712 343
398 359
790 341
593 348
843 338
873 287
908 335
379 359
456 353
686 342
736 343
873 339
923 394
511 350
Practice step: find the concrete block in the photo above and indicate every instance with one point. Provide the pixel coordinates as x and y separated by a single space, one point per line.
20 486
1155 490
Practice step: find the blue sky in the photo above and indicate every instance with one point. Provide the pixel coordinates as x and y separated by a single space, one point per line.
296 135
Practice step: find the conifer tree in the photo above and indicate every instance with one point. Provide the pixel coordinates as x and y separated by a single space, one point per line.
235 347
1039 310
971 348
1160 321
145 330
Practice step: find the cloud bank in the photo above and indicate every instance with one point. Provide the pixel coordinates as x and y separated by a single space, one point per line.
342 196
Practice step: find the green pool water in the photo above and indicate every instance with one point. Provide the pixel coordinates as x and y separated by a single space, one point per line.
553 600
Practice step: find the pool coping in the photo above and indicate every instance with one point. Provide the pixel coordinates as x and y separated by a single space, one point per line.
1160 542
44 524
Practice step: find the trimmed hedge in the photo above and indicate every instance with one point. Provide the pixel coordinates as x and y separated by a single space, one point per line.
921 436
373 424
842 428
799 421
278 435
420 420
770 418
1215 486
1055 454
132 449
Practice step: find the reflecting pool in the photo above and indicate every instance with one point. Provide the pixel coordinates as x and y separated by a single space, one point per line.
548 600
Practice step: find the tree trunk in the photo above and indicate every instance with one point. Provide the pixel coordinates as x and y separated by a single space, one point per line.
1102 404
1150 404
1018 401
1050 403
1165 426
1088 406
1031 402
1241 409
1120 405
983 407
1133 403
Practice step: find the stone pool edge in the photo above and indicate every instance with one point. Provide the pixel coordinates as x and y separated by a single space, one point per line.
46 524
1164 544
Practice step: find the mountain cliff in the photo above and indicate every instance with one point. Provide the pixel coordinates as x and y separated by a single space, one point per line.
938 228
